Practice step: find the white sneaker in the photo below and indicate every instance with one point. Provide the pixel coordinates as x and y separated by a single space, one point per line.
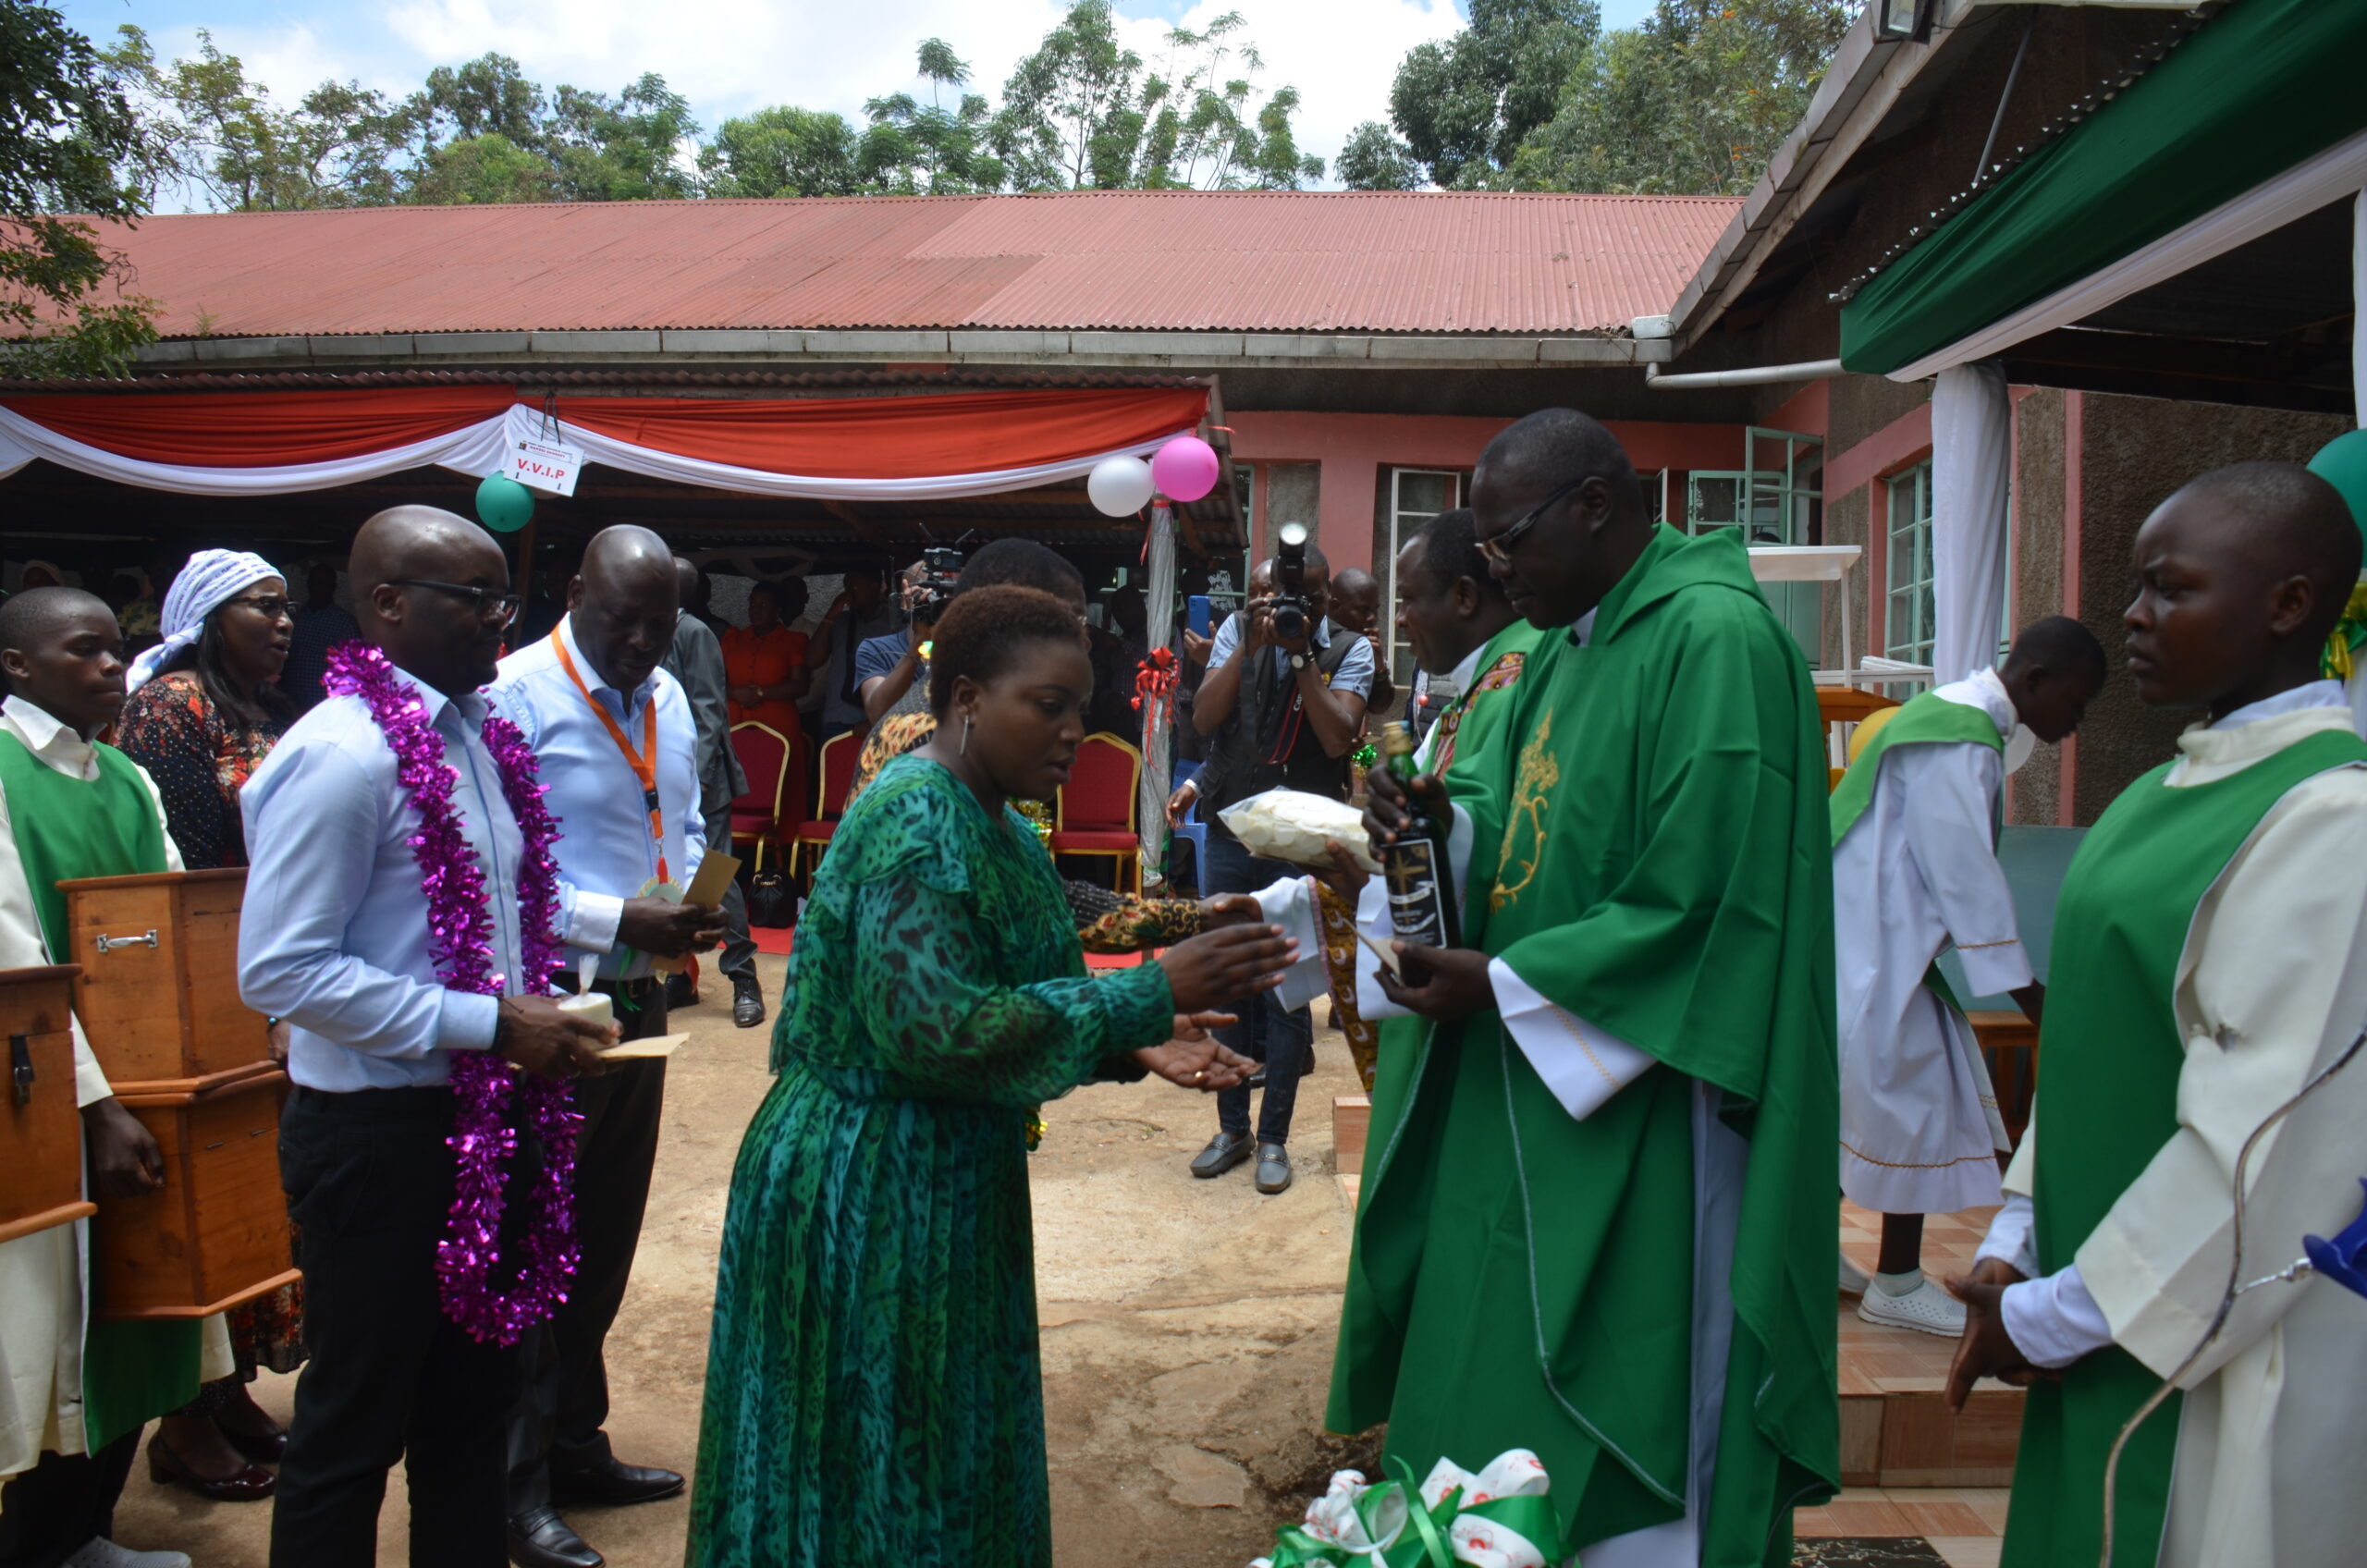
1927 1309
101 1553
1853 1279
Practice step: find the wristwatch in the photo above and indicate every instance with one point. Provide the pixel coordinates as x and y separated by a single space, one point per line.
1298 661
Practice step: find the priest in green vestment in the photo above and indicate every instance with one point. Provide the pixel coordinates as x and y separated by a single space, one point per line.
1598 1221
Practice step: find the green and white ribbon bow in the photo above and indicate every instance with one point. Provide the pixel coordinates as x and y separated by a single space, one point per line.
1500 1518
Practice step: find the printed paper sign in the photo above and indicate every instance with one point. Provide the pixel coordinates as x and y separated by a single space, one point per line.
546 466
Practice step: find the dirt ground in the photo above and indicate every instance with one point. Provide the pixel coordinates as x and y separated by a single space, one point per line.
1187 1326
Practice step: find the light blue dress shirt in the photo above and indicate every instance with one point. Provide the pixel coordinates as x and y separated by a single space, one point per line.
605 852
1354 674
334 936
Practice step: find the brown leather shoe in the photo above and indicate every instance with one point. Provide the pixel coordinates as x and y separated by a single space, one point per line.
166 1468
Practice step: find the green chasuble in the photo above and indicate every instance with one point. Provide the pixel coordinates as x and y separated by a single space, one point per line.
1652 854
2110 1097
66 829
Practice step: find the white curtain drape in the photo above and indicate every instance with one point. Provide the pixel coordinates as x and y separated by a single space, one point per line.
1972 457
483 447
1158 600
2314 183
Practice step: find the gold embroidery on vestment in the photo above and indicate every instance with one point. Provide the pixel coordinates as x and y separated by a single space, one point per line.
1539 772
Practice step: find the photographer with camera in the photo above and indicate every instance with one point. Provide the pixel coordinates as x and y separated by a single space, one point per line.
1282 705
886 669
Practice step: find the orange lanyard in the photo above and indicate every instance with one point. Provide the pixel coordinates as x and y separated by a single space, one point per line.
644 762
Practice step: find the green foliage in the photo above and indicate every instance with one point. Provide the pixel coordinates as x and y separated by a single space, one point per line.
781 151
1071 116
624 149
1375 160
1464 105
69 139
481 169
1695 101
916 150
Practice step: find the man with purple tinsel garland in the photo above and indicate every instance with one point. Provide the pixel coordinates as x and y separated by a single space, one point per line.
400 917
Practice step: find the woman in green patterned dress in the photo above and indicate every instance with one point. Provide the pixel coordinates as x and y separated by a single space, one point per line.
872 1391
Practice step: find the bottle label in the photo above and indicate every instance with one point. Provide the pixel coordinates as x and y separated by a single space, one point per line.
1417 895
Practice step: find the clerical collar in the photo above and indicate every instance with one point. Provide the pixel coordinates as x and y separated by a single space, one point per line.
1583 630
2297 699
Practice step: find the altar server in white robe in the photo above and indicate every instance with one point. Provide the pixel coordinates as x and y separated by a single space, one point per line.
1915 872
2189 1022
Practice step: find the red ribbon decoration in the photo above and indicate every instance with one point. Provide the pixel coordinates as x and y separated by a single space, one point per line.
1155 685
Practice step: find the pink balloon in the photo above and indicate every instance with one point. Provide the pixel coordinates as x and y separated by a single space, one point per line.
1185 469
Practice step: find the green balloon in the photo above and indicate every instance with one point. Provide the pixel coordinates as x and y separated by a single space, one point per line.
503 504
2342 462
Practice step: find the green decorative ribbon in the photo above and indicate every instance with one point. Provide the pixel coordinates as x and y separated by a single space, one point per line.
1424 1541
2348 633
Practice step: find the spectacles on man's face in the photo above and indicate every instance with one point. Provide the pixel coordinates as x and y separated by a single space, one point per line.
493 604
268 606
1500 548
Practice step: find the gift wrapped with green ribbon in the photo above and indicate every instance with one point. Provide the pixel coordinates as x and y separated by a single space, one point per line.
1500 1518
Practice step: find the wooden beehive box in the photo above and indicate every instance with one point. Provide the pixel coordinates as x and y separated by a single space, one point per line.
158 993
217 1231
40 1130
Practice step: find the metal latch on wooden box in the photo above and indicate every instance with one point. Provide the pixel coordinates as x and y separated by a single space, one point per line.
109 944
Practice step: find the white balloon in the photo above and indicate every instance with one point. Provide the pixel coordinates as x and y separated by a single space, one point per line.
1119 486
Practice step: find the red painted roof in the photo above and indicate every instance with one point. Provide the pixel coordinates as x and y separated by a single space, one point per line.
1430 261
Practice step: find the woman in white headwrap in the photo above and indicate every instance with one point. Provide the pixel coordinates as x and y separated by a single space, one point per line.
204 711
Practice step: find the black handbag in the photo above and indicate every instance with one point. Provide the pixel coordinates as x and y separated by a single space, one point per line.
770 902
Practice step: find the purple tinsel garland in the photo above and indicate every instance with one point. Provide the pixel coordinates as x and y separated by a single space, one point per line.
469 1265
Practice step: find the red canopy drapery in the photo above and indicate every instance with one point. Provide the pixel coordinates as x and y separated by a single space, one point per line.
261 429
884 439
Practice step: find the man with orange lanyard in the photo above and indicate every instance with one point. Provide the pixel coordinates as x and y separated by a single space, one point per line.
619 748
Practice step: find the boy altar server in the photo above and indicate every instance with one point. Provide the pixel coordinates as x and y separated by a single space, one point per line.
74 1391
1913 873
2210 959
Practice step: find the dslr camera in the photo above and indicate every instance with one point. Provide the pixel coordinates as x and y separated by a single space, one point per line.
940 567
1293 614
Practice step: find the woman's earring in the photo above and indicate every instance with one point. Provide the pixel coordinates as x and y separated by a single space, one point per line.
967 719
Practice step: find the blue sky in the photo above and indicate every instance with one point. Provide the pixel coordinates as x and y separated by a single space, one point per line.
729 57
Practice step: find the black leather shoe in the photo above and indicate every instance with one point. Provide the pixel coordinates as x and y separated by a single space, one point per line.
680 992
747 1001
540 1538
1273 1168
615 1484
1224 1151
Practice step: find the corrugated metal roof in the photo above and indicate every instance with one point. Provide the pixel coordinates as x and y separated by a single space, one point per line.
1416 261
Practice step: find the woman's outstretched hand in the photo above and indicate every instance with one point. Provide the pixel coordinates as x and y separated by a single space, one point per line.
1216 967
1194 1059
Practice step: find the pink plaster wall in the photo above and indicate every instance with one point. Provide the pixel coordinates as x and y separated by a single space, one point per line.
1353 449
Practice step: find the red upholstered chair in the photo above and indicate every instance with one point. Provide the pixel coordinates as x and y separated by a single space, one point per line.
758 815
1096 812
838 757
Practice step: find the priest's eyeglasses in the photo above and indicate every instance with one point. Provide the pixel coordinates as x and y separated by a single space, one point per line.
1500 548
492 604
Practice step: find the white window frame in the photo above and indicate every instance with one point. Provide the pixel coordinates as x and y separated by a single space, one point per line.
1909 608
1399 520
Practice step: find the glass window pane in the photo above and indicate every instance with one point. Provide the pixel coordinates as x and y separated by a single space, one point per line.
1428 493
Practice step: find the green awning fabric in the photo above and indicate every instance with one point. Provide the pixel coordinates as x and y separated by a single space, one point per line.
2253 92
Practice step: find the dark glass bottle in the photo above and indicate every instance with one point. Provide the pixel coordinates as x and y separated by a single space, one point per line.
1415 870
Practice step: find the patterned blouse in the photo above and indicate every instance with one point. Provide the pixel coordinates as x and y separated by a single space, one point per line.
1105 922
199 758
